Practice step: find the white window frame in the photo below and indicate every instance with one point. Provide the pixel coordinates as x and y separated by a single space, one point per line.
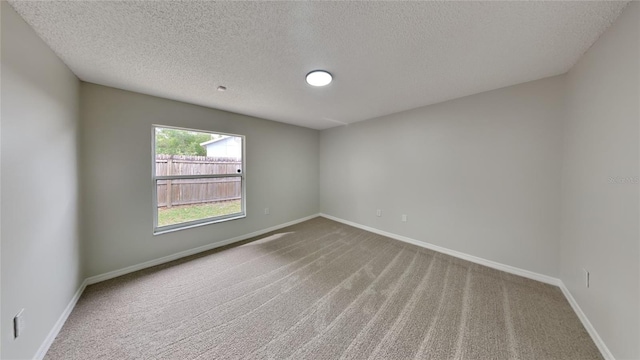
157 230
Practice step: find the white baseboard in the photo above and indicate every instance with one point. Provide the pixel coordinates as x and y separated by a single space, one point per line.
604 350
44 347
474 259
492 264
112 274
506 268
165 259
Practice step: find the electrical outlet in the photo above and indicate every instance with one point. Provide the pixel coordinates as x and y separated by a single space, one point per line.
266 211
19 324
404 218
586 278
378 213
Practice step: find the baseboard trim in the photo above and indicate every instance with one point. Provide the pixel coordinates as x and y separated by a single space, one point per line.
492 264
165 259
604 350
44 347
474 259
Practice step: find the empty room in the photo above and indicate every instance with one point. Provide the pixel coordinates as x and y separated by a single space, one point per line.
320 180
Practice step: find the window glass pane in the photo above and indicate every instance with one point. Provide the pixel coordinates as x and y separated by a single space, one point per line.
186 200
185 152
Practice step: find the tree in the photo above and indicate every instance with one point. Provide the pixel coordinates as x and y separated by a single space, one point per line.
181 142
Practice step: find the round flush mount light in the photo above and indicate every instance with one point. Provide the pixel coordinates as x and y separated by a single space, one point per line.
319 78
222 88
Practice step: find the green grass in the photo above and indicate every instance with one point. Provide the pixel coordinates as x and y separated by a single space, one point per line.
179 214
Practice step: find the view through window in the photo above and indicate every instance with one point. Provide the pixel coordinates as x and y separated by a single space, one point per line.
198 177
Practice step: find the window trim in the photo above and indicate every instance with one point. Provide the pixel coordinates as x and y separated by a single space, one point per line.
200 222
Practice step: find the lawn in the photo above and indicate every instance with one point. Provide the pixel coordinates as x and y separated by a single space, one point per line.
178 214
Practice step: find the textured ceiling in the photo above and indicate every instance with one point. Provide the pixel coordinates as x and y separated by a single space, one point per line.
385 56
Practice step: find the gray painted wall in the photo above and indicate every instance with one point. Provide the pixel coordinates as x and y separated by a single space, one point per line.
281 170
41 267
492 174
600 185
480 174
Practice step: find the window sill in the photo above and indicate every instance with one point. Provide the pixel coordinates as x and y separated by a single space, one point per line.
165 230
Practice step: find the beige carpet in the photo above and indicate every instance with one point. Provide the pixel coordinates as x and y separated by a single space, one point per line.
322 290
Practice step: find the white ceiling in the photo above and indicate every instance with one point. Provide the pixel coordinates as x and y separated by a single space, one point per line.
385 56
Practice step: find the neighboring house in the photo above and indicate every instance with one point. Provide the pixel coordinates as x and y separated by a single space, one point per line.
226 146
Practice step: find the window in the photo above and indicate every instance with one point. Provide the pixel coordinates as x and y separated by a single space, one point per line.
198 178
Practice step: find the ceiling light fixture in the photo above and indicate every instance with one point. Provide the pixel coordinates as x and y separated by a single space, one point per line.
319 78
222 88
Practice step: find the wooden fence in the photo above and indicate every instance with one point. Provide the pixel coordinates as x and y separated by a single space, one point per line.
197 191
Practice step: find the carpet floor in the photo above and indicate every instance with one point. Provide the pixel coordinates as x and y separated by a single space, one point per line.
322 290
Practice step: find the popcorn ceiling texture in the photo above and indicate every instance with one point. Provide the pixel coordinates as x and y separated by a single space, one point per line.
385 56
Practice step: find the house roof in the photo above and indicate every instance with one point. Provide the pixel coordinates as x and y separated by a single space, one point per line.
224 137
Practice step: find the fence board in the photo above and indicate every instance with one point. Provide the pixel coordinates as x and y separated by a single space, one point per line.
197 191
